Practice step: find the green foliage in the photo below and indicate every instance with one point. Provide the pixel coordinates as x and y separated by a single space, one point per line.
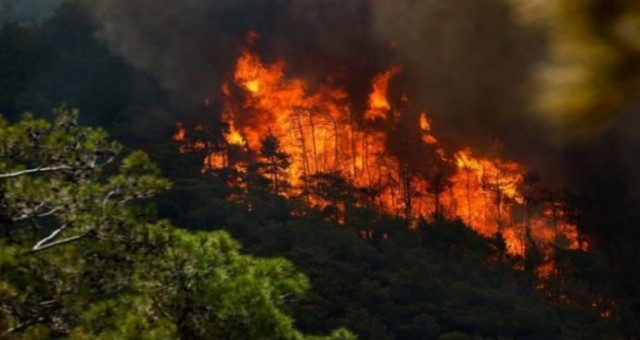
201 287
70 232
82 254
214 292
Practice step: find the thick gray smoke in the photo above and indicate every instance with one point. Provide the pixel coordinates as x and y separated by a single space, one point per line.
466 62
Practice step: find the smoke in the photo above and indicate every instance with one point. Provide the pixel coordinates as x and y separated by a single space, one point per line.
468 63
26 11
185 44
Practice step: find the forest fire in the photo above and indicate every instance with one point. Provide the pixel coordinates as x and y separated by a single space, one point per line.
319 131
329 170
378 102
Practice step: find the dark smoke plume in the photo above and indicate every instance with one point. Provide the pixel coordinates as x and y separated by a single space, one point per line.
466 62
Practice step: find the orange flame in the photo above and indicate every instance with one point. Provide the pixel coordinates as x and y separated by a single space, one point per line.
180 134
425 126
378 101
320 133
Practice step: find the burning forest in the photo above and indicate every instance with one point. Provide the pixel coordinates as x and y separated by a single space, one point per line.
279 169
404 169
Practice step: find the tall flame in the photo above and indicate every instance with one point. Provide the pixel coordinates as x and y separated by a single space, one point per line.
378 101
321 134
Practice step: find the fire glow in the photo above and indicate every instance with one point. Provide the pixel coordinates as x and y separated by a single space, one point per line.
322 135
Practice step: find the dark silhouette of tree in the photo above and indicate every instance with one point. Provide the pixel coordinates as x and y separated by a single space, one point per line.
333 192
274 161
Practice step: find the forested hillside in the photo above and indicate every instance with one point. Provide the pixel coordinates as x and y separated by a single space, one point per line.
258 173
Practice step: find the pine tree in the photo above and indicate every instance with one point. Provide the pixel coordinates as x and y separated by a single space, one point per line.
275 161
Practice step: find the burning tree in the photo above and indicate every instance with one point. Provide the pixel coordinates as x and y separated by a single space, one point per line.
275 161
307 133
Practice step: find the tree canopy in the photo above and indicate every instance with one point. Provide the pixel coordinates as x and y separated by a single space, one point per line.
83 255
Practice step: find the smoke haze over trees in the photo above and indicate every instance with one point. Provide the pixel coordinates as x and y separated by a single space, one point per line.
551 86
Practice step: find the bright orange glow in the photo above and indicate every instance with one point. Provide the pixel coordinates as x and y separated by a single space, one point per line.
425 126
179 136
321 135
378 101
234 137
253 86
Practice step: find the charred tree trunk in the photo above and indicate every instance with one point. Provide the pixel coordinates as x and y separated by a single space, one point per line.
314 145
407 193
468 185
353 146
274 175
305 158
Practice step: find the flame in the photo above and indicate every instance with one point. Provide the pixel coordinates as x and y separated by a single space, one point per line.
483 194
253 86
321 135
425 126
234 137
180 134
378 101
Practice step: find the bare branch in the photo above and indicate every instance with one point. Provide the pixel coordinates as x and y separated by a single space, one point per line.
136 197
61 242
107 197
42 169
30 213
50 237
48 303
35 171
50 212
35 215
109 160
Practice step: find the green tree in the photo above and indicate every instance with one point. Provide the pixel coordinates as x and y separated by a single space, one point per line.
82 254
70 233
